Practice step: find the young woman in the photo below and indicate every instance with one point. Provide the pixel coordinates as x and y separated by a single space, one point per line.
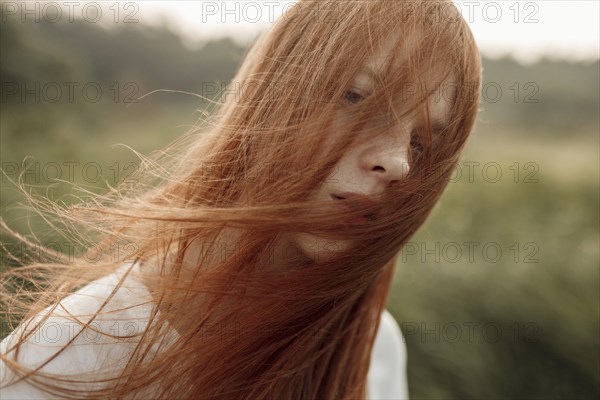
262 256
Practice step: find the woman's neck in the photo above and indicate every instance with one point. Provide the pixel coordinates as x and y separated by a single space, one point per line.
280 256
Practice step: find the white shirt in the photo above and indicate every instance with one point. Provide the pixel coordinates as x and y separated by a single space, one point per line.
92 351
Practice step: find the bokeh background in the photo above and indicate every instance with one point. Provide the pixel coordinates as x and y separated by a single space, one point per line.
497 295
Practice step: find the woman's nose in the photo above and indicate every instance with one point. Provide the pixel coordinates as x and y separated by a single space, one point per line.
388 165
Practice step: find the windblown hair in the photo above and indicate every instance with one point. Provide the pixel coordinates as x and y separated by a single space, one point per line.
308 331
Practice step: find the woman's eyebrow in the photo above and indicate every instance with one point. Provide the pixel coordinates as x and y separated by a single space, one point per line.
437 126
366 70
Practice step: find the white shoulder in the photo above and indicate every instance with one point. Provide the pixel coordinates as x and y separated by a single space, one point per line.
91 348
387 374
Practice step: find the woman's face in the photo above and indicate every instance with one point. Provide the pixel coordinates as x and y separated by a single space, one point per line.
374 161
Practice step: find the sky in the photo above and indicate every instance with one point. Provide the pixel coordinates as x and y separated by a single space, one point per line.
526 29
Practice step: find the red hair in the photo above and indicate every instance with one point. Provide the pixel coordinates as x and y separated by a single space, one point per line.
305 332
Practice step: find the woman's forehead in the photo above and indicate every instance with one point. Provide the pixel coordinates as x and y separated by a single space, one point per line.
397 48
440 89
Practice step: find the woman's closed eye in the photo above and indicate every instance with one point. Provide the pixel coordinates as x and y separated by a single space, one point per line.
355 96
416 144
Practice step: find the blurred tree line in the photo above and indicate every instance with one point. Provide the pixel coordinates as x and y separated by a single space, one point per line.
155 58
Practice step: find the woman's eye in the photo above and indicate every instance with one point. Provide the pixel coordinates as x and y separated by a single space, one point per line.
416 145
353 97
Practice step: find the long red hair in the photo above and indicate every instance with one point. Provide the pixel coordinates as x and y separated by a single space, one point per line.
300 333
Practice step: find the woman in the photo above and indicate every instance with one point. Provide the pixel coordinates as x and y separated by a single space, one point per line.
263 258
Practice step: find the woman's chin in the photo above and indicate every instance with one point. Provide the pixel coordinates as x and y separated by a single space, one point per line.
317 248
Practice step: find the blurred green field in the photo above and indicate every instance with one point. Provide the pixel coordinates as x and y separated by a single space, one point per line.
517 316
497 294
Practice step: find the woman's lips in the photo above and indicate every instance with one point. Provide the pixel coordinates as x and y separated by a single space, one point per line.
356 202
